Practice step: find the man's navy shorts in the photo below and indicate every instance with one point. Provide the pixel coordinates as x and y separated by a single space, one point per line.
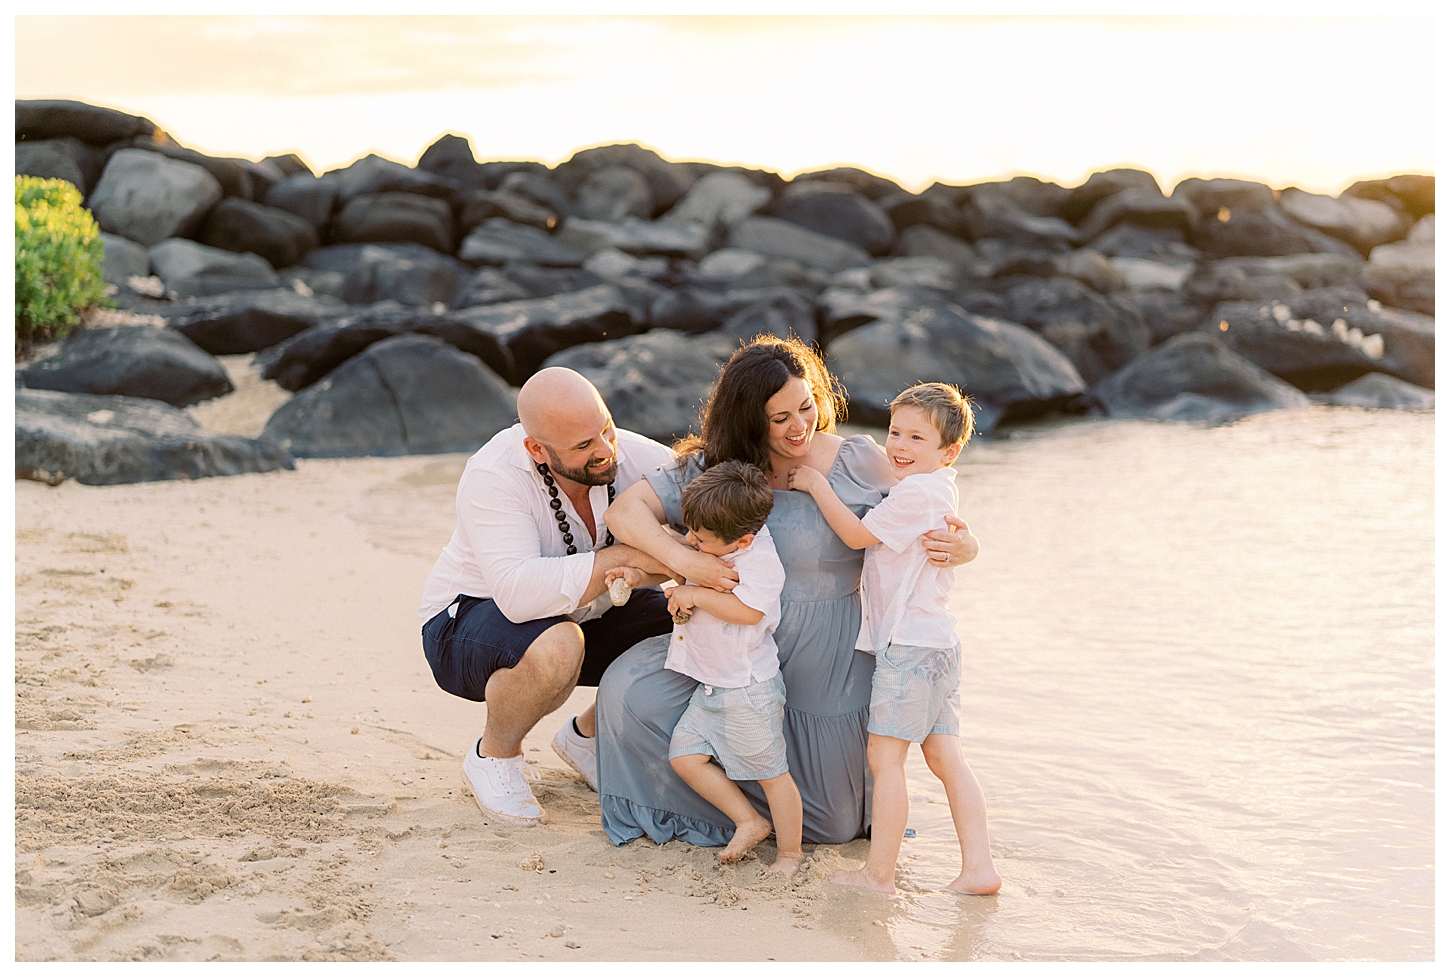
466 648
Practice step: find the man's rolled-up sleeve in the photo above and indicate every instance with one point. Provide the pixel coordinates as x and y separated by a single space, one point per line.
505 540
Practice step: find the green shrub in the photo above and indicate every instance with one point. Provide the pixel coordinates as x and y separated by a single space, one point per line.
58 252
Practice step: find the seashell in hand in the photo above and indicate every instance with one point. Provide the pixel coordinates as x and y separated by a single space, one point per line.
619 591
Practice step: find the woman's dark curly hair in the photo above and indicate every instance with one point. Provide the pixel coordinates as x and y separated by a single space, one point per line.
733 425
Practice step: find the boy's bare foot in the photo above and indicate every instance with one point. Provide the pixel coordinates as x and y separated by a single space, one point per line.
861 880
787 863
983 882
746 837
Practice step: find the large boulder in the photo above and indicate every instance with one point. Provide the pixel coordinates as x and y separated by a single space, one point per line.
1107 183
635 236
1379 392
1161 244
64 158
857 180
57 118
778 238
787 314
719 198
837 212
1008 371
1262 232
289 164
989 212
668 181
842 308
123 259
403 396
308 197
108 440
1406 339
281 237
246 322
1097 333
923 241
395 217
541 188
148 198
1252 279
479 205
936 210
612 193
1209 197
451 157
192 269
1310 354
1166 313
535 329
237 177
696 310
420 278
1403 274
315 352
1144 208
541 282
1413 193
373 174
655 383
1362 223
498 241
1192 377
131 361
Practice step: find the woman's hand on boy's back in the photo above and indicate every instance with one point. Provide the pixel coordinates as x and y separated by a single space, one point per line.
953 546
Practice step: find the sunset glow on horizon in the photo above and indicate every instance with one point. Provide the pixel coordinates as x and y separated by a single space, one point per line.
917 99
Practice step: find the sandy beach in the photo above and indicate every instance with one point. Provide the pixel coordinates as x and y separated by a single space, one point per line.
228 746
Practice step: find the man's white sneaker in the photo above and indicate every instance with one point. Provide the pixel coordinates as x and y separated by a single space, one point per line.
580 752
500 789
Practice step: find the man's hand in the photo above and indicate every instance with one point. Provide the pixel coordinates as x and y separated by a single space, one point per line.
622 581
951 547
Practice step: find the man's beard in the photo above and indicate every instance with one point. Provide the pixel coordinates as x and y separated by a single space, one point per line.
583 476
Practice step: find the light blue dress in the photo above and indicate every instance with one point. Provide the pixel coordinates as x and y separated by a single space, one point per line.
828 683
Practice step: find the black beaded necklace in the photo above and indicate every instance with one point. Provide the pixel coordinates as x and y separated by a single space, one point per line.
557 505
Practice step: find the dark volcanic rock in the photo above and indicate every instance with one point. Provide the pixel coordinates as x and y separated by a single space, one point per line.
1362 223
668 181
237 177
1008 371
1098 334
655 383
990 213
451 157
123 259
1208 197
65 158
837 212
1251 279
784 315
701 310
1305 352
540 188
114 440
1407 339
241 225
540 282
1262 232
1403 274
1379 392
536 329
249 321
480 205
1166 314
374 174
635 236
868 185
1144 208
131 361
1081 200
57 118
406 395
149 198
308 197
315 352
1192 377
1414 193
489 285
719 198
289 164
422 277
778 238
191 269
612 193
936 210
921 241
498 241
395 217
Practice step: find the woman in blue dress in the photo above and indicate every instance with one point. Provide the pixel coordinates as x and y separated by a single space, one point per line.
776 407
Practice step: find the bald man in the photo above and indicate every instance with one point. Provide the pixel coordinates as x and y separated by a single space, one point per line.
516 610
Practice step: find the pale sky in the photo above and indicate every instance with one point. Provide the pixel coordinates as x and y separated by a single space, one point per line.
1311 102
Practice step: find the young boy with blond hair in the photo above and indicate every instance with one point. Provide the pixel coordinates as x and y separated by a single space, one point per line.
906 624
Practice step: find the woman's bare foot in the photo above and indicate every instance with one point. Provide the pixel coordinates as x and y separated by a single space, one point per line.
787 863
746 837
861 880
983 882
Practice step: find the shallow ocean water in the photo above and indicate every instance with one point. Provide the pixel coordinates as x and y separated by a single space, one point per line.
1198 691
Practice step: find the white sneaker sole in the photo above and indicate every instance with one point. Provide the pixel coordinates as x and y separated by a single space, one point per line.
564 755
513 820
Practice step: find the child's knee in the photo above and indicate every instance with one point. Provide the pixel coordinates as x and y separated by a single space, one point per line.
885 751
941 749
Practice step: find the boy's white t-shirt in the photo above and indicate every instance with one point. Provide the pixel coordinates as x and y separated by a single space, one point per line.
904 600
727 655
